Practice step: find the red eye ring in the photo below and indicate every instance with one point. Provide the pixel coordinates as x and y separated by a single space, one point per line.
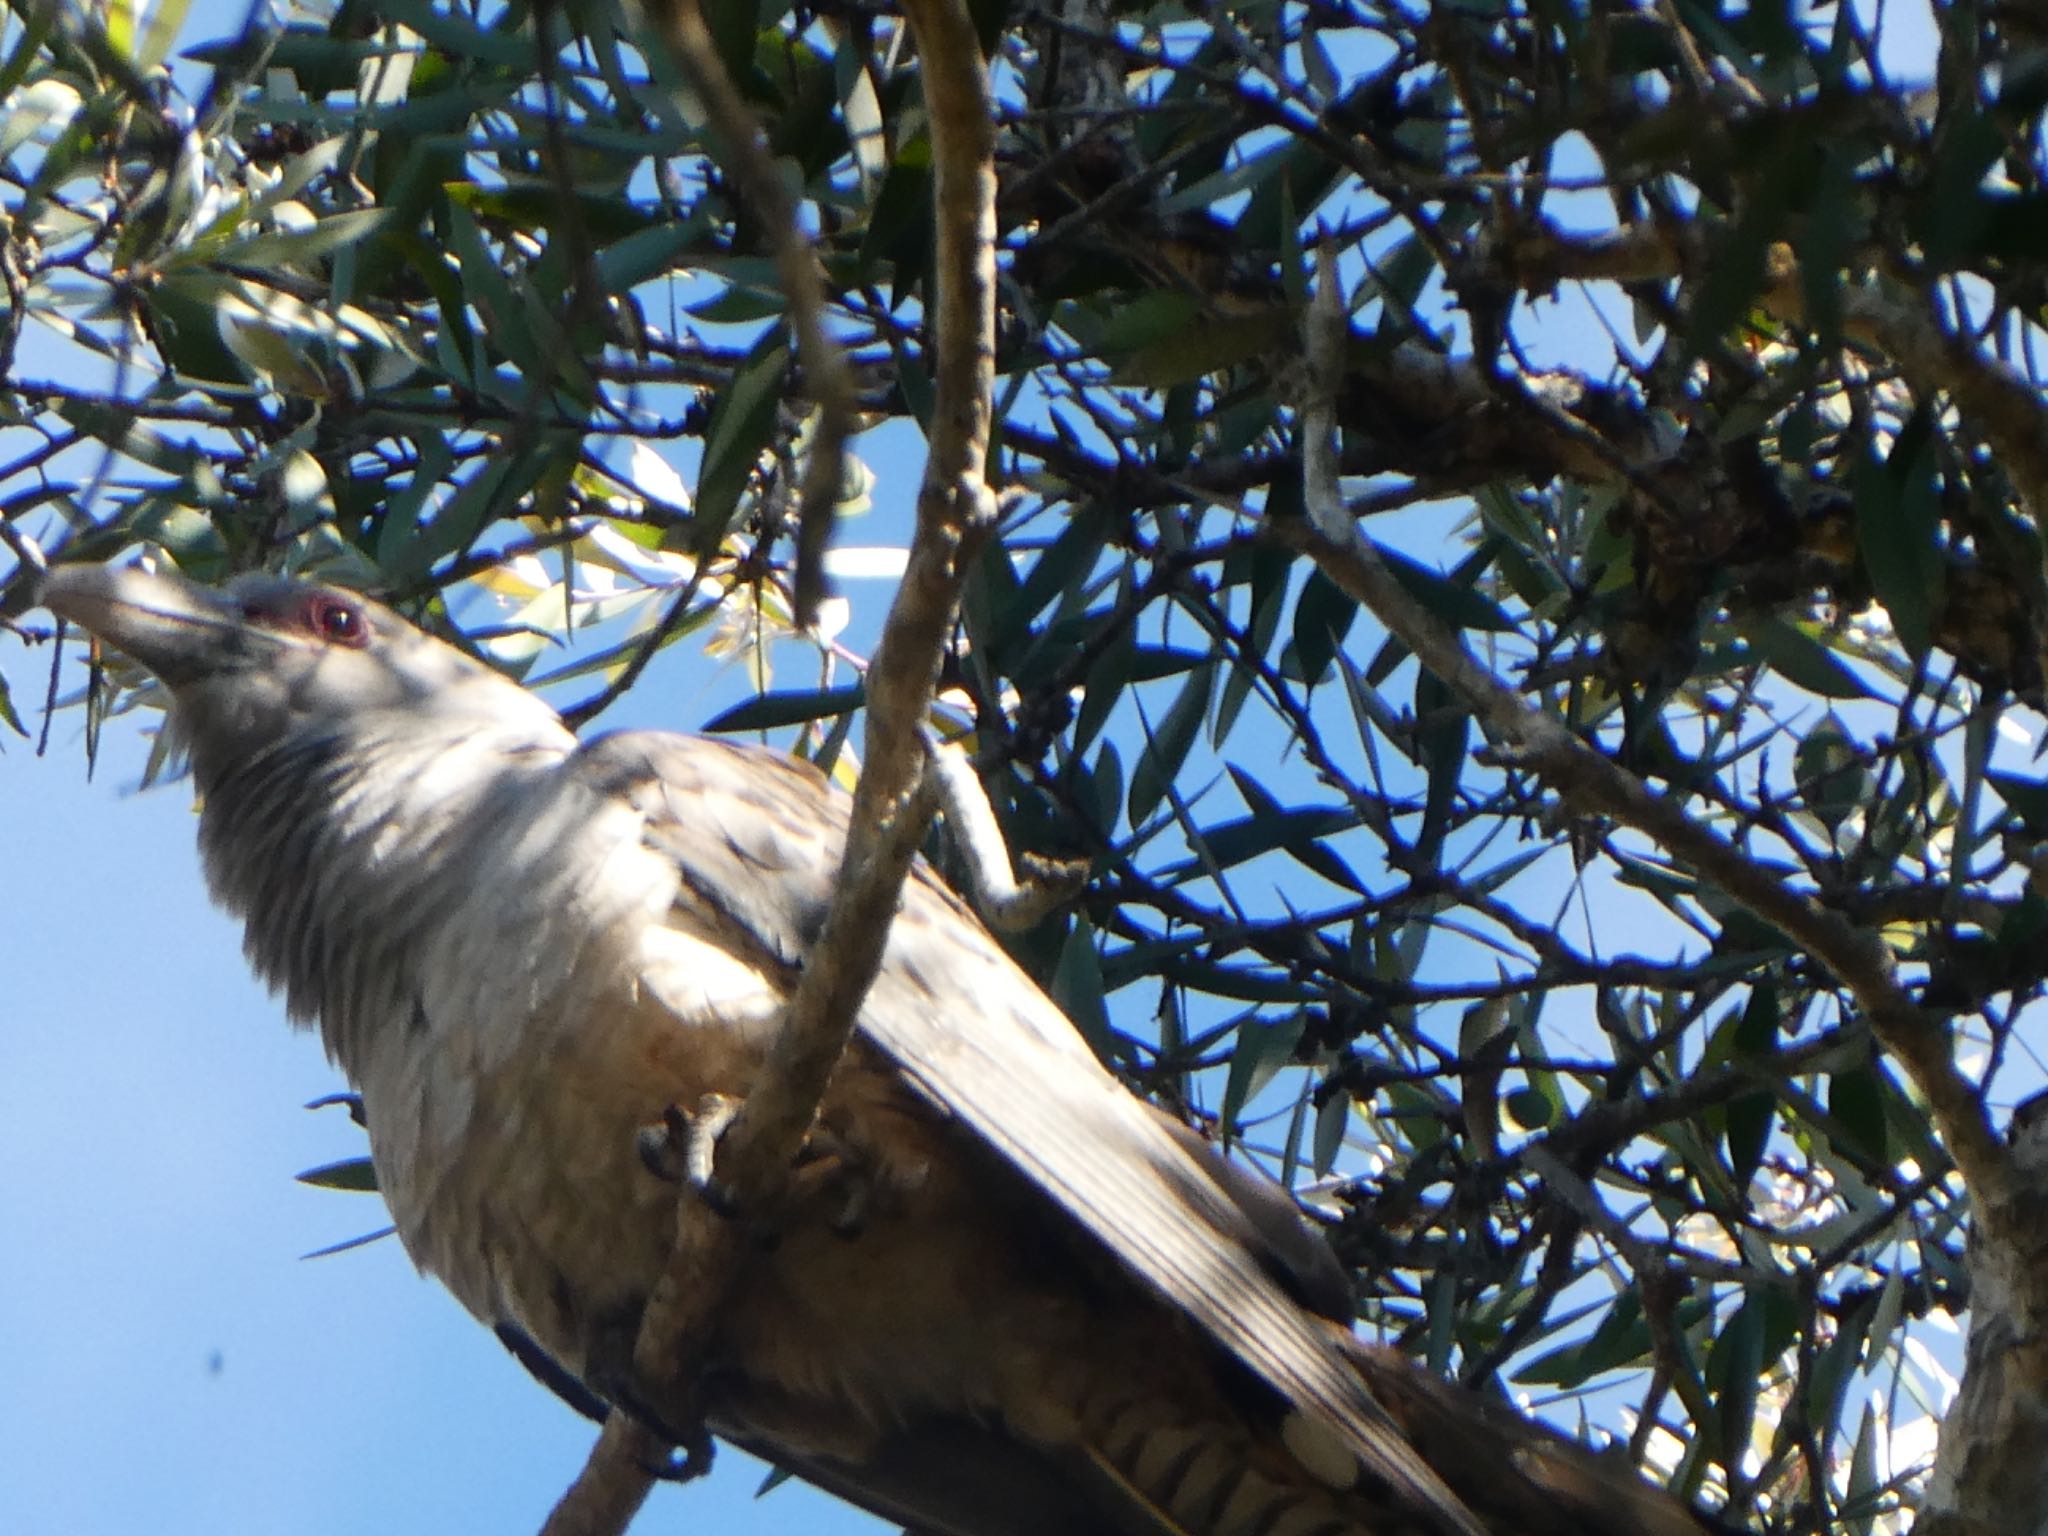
336 620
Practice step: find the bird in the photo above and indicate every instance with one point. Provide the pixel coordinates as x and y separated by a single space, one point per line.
1003 1296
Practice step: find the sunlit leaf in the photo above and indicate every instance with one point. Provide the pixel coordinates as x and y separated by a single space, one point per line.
740 424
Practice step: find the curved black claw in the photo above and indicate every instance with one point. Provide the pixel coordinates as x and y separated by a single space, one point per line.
683 1148
692 1459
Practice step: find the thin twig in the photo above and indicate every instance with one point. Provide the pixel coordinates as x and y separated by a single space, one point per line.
1003 901
826 378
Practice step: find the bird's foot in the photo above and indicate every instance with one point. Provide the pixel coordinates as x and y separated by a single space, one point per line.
675 1419
682 1147
831 1172
831 1176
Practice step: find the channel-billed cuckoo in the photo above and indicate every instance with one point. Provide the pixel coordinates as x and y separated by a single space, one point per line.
1005 1298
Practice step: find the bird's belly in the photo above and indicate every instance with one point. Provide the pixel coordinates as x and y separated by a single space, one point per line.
861 1309
910 1280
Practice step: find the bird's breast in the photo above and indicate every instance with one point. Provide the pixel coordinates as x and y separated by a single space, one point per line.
542 1214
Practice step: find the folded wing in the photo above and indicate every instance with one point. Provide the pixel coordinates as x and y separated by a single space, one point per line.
756 837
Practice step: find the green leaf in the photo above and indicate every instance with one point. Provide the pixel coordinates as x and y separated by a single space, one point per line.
356 1174
2027 798
1751 1037
1108 678
1266 570
2023 926
44 101
1397 279
1451 598
1107 782
487 291
1261 1049
1333 1119
348 1243
899 230
1064 565
459 521
1243 172
1323 616
1735 1365
308 245
36 23
1443 731
1836 1363
1799 658
1832 225
742 421
1897 514
768 711
1077 987
1235 842
1167 748
192 538
508 45
1860 1499
1621 1338
1953 205
1856 1106
404 508
739 304
116 426
647 253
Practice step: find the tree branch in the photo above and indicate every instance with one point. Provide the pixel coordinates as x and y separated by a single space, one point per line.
613 1484
2004 406
1991 1470
826 377
1593 785
891 804
954 512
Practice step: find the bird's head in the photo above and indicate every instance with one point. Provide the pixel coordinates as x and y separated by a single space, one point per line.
266 658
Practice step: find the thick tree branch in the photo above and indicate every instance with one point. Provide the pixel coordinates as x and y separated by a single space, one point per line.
1000 897
1991 1472
954 513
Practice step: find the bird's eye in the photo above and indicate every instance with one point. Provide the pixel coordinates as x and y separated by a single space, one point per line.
337 621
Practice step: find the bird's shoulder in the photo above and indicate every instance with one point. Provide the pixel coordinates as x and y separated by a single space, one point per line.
753 836
757 835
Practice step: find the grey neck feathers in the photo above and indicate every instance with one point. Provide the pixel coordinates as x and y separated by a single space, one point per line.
350 853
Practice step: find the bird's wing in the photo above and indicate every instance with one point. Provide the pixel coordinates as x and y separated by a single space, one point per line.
756 837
